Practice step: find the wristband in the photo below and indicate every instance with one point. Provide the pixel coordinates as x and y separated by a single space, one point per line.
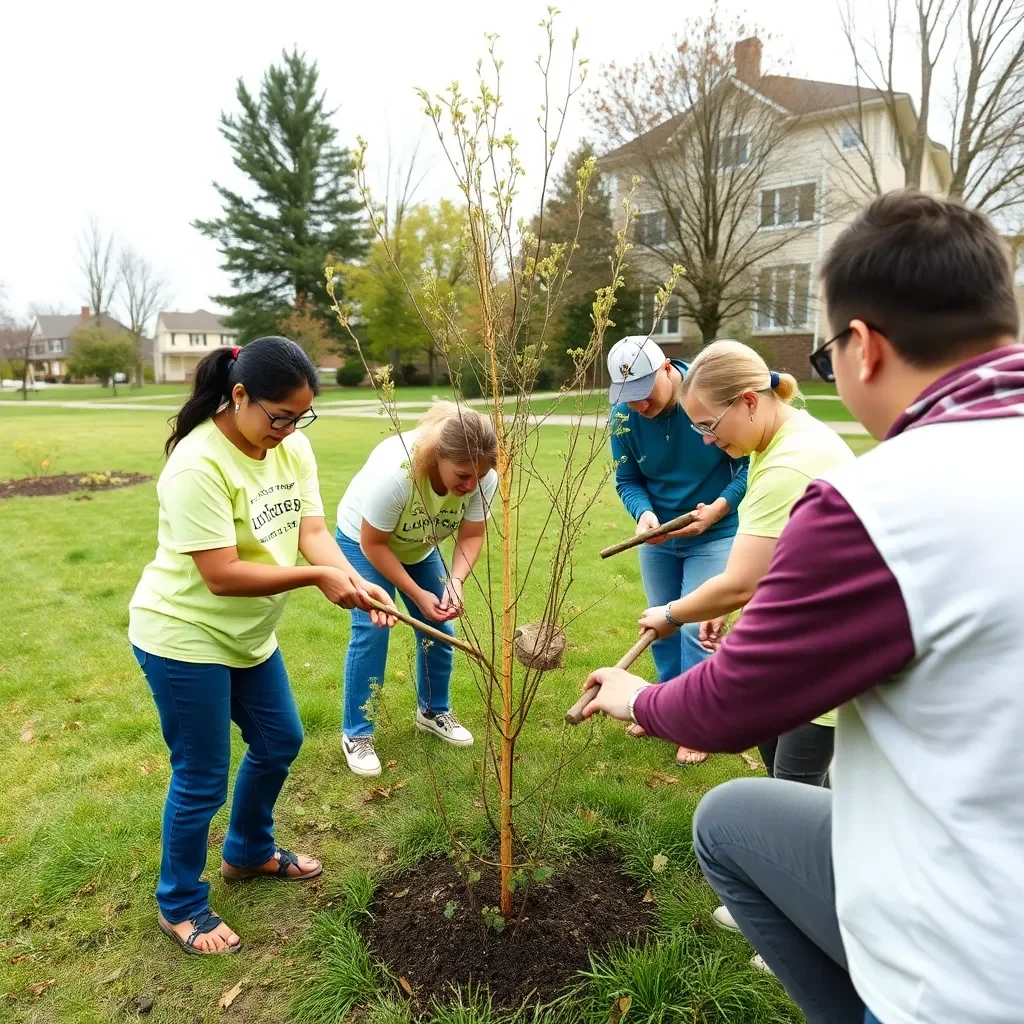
668 617
632 701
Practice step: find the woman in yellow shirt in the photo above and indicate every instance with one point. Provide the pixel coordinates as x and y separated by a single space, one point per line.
738 404
239 502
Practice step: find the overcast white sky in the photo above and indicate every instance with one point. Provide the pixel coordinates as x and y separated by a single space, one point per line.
110 108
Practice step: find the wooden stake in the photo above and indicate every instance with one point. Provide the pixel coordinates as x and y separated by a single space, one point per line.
641 538
575 714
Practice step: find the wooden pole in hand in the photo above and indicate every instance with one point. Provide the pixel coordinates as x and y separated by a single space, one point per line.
436 634
641 538
575 714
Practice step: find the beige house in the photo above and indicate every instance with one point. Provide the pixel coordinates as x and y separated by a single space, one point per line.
182 339
839 148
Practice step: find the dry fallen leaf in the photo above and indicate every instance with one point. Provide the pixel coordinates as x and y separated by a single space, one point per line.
392 764
75 700
383 856
27 735
229 997
68 726
752 762
145 769
478 804
398 895
111 978
87 889
406 987
648 896
39 987
588 815
619 1009
659 864
17 959
657 779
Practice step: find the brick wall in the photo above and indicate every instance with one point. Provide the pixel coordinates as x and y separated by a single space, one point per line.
785 353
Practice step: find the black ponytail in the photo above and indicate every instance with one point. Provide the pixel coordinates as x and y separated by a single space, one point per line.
268 368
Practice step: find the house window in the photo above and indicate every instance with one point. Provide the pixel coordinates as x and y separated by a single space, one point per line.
783 297
196 339
849 138
735 151
56 346
668 325
172 340
652 228
794 204
228 339
39 349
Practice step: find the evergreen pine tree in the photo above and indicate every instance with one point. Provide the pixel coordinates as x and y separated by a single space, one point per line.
303 204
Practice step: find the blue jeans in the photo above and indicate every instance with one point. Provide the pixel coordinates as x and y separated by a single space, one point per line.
671 571
197 704
368 646
766 848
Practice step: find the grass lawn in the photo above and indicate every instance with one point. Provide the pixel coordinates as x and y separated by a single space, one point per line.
85 774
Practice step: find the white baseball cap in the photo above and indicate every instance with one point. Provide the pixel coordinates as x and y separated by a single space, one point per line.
633 365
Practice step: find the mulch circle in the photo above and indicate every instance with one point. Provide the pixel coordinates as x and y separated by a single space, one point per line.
583 907
69 483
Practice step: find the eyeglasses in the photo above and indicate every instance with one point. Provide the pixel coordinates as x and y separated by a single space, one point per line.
821 358
284 422
709 431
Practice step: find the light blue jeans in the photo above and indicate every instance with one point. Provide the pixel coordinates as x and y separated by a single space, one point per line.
368 646
671 571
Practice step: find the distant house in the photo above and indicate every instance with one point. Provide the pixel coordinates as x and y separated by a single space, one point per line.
182 339
53 337
833 131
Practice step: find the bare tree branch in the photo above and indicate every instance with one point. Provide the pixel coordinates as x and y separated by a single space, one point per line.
96 256
142 293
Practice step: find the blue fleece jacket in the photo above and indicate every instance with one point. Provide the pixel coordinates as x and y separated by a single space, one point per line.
662 465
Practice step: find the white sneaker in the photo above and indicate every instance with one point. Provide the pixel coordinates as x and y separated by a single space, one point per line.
757 962
725 920
445 725
360 754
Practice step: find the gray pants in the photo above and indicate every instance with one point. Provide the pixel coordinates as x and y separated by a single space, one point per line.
765 846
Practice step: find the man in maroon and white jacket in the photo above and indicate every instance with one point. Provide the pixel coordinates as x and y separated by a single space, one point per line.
896 593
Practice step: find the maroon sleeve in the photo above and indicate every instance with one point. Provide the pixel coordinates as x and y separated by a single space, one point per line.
827 622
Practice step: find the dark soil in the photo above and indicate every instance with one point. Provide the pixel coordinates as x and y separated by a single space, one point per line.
583 907
68 483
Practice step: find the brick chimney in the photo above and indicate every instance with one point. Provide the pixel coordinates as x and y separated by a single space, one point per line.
748 59
85 313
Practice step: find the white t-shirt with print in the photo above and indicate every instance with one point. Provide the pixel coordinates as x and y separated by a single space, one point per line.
383 494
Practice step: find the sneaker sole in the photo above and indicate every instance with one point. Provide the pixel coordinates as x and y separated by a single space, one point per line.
725 927
368 773
441 736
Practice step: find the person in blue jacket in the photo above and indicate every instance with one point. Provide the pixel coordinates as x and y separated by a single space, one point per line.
663 469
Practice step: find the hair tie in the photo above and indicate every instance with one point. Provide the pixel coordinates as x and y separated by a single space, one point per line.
774 379
235 351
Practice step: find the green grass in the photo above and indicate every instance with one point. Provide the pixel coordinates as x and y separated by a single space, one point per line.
85 772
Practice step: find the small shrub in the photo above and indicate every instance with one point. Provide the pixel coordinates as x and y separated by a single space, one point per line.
37 458
148 375
351 372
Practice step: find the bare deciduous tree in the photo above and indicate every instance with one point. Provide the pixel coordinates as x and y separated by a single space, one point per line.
703 137
143 291
15 343
96 260
519 282
984 121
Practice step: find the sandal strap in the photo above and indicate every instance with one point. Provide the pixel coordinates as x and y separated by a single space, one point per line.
287 859
203 923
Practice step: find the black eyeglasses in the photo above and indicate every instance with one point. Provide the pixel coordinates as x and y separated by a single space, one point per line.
284 422
821 358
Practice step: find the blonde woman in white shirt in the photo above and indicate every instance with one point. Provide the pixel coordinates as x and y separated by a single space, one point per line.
415 490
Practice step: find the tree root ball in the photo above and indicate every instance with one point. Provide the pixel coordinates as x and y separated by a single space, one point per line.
540 645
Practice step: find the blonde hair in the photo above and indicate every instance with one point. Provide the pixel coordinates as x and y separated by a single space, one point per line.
453 432
725 369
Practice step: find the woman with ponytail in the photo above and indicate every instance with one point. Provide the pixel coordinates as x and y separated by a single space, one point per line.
239 502
735 402
415 490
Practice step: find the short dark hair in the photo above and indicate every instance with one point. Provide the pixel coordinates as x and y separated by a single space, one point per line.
270 368
931 275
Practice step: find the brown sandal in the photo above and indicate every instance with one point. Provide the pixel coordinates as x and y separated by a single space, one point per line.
286 859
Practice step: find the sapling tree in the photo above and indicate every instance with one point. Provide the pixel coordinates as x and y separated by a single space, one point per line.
519 284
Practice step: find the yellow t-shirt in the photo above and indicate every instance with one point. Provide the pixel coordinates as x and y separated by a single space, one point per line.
803 448
213 496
